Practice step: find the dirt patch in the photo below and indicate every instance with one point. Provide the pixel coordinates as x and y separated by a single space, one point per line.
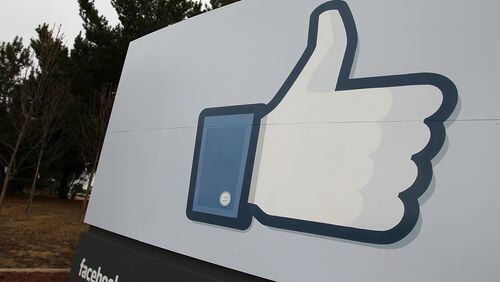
47 239
33 277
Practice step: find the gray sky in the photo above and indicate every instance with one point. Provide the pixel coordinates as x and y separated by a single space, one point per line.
20 17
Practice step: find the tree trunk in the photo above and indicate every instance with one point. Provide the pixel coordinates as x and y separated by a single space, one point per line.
64 184
2 173
33 184
5 183
87 195
10 167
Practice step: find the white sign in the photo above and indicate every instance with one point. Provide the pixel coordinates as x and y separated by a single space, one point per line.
363 140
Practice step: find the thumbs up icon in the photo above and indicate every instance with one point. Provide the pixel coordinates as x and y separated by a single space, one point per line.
329 155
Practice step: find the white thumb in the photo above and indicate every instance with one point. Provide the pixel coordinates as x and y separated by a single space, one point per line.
321 72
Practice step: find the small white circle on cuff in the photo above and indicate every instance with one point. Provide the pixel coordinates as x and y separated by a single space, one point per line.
225 199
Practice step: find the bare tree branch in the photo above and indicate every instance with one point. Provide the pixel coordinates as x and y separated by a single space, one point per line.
4 161
38 82
93 125
6 144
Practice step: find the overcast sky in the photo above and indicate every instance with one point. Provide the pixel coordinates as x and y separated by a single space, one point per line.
20 17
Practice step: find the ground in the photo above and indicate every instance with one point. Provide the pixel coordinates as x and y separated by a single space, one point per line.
47 239
33 277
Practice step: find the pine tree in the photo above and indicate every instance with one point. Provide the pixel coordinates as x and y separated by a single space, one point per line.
97 55
14 57
219 3
140 17
44 77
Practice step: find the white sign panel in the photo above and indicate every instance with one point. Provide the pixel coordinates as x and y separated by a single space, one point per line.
313 140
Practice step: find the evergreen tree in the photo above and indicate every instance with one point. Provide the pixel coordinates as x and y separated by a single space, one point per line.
45 77
219 3
97 55
51 39
53 121
14 57
140 17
